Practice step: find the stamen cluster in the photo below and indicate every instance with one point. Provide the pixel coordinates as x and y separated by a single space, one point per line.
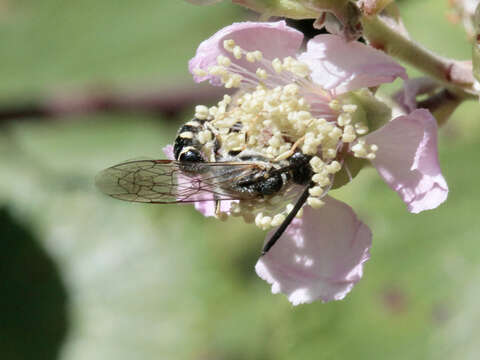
273 116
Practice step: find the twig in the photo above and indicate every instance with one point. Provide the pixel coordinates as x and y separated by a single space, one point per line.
167 102
453 74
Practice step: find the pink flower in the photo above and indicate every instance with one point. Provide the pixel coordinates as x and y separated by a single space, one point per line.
321 254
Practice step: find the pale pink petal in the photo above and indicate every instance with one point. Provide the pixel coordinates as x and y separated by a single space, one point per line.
273 39
407 160
407 97
320 256
207 208
342 66
168 151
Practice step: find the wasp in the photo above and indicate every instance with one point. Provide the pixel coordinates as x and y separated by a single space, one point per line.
191 177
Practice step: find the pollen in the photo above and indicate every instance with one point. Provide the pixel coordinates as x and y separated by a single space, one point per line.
261 73
296 67
316 191
349 108
199 72
212 111
344 119
234 141
201 112
234 81
229 45
237 52
291 90
277 111
223 61
299 214
204 136
316 163
254 56
348 136
333 167
263 222
277 65
361 150
278 219
315 202
289 208
361 129
250 56
321 180
329 153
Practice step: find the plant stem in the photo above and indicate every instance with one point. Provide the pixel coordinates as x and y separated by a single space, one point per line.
167 102
455 75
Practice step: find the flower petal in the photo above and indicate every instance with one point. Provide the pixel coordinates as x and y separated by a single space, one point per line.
407 97
342 66
407 160
274 39
168 151
207 208
320 256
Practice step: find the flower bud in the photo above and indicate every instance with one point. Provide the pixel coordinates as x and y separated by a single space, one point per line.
372 7
464 11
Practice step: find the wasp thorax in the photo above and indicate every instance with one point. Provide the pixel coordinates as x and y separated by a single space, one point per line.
284 118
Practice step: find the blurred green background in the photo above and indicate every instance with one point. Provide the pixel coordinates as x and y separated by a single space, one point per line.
83 276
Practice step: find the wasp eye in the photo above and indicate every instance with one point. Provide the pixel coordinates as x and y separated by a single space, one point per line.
192 155
301 171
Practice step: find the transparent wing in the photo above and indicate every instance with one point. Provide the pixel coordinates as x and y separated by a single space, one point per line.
271 205
166 181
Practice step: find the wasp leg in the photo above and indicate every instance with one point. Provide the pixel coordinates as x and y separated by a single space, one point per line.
281 229
218 211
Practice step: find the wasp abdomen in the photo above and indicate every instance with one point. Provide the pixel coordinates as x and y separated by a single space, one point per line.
191 155
271 185
267 184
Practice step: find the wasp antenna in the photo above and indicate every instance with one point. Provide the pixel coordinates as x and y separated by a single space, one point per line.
281 229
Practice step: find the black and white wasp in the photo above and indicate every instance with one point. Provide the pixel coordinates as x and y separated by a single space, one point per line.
239 175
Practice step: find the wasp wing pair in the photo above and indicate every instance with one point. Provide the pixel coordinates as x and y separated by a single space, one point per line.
174 182
168 182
